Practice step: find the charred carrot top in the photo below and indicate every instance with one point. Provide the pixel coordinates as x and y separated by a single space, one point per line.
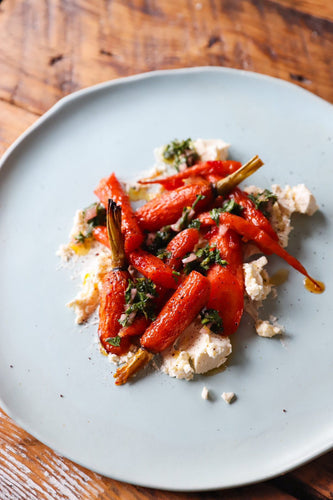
219 168
260 237
180 245
114 285
153 268
111 188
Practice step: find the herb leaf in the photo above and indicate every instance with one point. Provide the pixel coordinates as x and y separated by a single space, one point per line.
263 201
100 217
212 318
139 298
115 341
181 152
228 206
206 257
160 241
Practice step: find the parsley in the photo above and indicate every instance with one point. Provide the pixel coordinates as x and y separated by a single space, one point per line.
162 238
195 223
206 257
228 206
141 301
115 341
81 237
100 217
263 201
212 318
164 254
181 152
185 220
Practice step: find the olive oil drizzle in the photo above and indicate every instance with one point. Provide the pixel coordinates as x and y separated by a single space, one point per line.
314 287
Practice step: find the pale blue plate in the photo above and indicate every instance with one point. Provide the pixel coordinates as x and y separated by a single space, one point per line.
158 431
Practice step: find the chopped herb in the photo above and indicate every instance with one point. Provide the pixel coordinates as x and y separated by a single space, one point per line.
198 198
140 300
228 206
115 341
175 273
212 318
164 254
263 201
185 220
181 153
206 257
195 223
161 239
81 237
100 217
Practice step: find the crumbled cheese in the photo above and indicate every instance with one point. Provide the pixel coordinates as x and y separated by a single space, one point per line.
87 299
211 149
228 397
268 328
205 393
198 350
256 278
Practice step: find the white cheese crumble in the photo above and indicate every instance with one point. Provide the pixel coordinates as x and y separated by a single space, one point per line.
211 149
228 397
268 328
198 350
256 278
205 393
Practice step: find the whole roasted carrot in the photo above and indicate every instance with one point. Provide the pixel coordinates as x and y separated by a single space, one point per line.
167 208
251 213
177 314
100 233
219 168
180 245
110 188
153 268
228 242
138 327
264 241
114 285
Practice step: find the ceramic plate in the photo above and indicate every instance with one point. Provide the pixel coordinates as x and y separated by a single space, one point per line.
158 431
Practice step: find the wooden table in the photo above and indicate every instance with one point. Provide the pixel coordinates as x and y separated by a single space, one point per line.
49 48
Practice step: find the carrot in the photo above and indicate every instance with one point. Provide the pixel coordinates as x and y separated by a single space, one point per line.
114 285
180 245
100 234
167 208
111 188
264 241
178 313
153 268
219 168
229 245
138 327
252 214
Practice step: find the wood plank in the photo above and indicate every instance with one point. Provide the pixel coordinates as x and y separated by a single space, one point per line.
322 9
13 122
49 49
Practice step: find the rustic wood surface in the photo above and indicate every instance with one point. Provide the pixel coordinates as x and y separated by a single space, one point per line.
49 48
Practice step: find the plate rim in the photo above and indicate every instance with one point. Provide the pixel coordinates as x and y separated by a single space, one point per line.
49 114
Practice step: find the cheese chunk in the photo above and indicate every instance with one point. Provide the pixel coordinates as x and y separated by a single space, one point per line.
228 397
257 284
211 149
268 328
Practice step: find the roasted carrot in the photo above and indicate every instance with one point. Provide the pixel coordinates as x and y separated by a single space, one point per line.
167 208
153 268
264 241
114 285
100 233
178 313
228 242
110 188
219 168
138 327
180 245
251 213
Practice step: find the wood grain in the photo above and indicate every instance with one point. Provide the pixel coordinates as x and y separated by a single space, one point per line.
49 48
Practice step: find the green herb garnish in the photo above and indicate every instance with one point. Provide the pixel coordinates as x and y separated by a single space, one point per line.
181 153
228 206
81 237
212 318
115 341
141 301
185 220
263 201
206 257
161 239
100 217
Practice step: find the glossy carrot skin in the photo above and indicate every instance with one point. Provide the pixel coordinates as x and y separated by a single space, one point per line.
112 305
153 268
180 245
167 208
230 247
110 188
178 313
219 168
251 213
226 296
138 327
251 232
100 234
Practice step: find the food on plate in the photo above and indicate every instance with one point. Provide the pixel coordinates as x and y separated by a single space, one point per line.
173 277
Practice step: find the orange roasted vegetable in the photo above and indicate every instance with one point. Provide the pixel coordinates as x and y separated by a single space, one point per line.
153 268
180 245
110 188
